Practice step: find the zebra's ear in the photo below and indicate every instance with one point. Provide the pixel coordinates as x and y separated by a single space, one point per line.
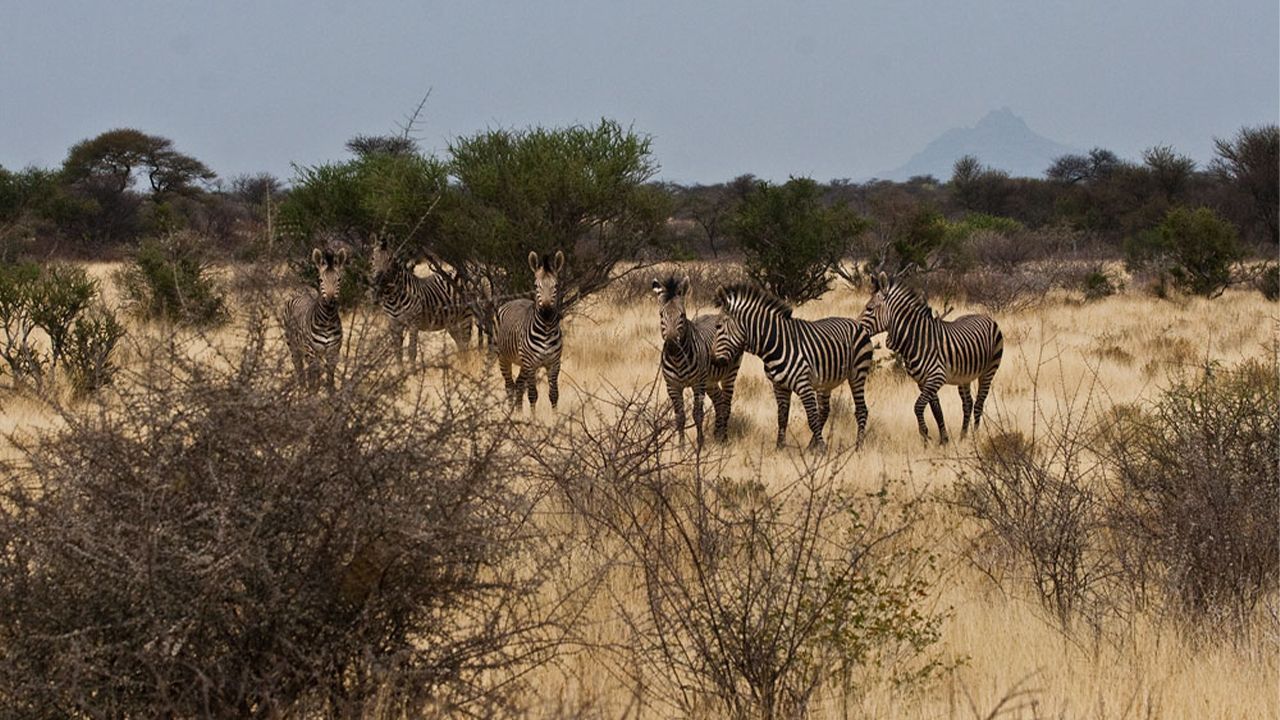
342 256
559 261
533 261
683 287
317 257
657 286
883 279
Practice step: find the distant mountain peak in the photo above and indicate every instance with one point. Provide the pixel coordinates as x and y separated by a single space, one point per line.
1001 139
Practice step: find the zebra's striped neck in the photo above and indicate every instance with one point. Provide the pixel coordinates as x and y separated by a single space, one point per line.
908 317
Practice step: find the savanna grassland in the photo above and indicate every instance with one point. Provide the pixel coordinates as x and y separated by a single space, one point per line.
999 651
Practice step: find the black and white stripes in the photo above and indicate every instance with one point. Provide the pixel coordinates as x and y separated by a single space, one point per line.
413 304
808 358
528 334
935 352
312 326
688 361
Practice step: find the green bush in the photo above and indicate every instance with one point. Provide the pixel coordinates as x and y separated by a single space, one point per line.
46 326
792 239
1195 248
1098 284
170 278
90 349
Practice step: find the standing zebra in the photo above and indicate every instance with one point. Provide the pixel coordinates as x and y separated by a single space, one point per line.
935 352
312 327
808 358
687 360
528 334
414 304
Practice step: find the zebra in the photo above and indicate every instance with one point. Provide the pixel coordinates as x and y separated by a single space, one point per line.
808 358
687 360
312 326
935 352
527 334
413 304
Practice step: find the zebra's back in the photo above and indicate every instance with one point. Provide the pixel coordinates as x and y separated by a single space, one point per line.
837 348
426 303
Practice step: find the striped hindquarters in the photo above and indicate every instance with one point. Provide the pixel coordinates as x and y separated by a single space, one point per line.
972 345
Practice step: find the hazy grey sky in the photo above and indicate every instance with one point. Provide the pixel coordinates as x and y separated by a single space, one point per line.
827 89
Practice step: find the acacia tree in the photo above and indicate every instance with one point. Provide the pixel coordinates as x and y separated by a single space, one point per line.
582 190
115 157
1249 161
791 239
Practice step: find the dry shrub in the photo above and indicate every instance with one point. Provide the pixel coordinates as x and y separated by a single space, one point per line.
757 591
1004 292
1043 498
1199 490
208 540
704 278
1169 506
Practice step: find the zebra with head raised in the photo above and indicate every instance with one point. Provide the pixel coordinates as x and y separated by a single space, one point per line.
414 304
688 361
808 358
312 326
527 334
935 352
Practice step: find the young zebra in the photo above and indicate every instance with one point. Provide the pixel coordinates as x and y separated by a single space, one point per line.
527 334
935 352
808 358
687 360
414 304
312 327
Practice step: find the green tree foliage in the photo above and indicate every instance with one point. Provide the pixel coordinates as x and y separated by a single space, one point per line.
170 279
582 190
791 239
56 300
1170 171
116 157
1195 248
978 188
1250 163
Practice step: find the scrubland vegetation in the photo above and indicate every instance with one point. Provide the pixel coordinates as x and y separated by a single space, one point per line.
189 531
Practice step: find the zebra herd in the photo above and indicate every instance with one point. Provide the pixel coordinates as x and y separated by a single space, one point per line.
807 358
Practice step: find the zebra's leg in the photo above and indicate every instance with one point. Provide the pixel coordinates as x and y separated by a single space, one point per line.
699 410
397 340
966 402
507 381
461 334
676 393
928 396
809 398
298 368
413 346
984 386
726 392
936 406
824 408
721 406
553 383
782 394
528 379
858 386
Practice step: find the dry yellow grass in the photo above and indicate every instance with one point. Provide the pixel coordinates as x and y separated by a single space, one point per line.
1119 350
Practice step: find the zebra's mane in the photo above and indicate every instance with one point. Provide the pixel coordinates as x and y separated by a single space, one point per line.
670 288
763 297
913 299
